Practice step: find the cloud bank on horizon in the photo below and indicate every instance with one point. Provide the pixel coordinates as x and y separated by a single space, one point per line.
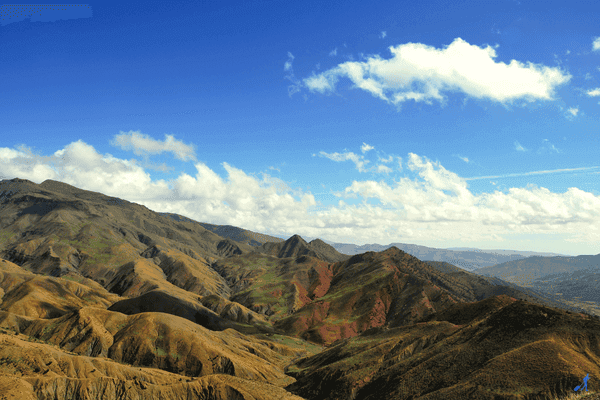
431 123
436 203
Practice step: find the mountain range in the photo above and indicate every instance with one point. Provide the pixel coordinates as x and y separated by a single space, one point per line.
105 298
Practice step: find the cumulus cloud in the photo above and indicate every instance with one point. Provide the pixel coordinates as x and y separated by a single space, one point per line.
365 147
144 145
465 159
518 147
423 73
593 92
333 52
596 44
386 160
432 206
383 35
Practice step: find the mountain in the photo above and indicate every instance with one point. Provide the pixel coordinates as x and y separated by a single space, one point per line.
477 287
468 259
569 280
498 348
100 297
518 252
227 231
295 246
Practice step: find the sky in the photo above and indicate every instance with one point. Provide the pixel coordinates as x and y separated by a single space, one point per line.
430 123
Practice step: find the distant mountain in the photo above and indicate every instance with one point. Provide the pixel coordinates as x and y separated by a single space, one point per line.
571 280
525 271
476 287
469 260
518 252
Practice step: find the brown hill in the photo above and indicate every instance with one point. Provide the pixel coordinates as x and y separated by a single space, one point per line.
40 371
28 294
498 348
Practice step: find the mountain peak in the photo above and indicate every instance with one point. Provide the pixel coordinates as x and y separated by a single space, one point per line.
296 238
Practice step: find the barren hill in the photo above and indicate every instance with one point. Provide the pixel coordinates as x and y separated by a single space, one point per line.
104 298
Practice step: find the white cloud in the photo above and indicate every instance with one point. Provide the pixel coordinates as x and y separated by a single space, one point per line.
465 159
365 147
596 44
552 171
288 64
422 73
547 148
144 145
359 161
434 207
518 147
383 35
572 113
593 92
383 169
333 52
296 84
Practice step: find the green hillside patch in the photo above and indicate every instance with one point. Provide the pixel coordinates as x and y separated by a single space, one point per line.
344 289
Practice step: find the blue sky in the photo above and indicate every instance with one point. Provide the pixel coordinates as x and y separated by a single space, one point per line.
474 125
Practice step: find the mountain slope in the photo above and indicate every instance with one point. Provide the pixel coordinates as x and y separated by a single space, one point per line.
478 287
231 232
498 348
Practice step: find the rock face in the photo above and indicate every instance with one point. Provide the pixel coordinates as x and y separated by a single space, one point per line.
367 291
